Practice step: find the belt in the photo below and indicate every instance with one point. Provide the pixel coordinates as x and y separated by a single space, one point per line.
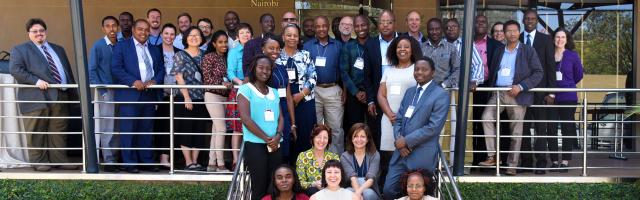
326 85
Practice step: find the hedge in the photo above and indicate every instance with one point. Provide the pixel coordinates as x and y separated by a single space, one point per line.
31 189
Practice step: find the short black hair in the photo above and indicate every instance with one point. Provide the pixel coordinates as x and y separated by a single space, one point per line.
435 19
363 17
266 15
141 21
273 189
33 21
527 11
432 64
207 20
416 51
184 38
244 26
234 13
494 26
254 63
153 10
169 25
110 18
127 14
389 12
509 23
454 20
336 164
427 176
184 14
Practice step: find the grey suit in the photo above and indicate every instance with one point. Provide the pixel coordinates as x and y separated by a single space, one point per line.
528 72
27 66
421 132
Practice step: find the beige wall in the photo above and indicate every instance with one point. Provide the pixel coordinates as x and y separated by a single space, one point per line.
56 14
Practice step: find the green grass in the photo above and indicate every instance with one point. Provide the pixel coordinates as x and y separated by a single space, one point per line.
21 189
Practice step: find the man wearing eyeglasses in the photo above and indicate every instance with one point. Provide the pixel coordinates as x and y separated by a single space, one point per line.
39 62
289 18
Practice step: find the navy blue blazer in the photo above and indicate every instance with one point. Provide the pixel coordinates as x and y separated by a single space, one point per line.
125 71
545 50
372 68
528 71
422 130
100 63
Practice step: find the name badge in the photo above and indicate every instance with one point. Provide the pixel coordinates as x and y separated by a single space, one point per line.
409 112
282 92
505 72
558 75
292 74
321 61
359 64
395 89
268 116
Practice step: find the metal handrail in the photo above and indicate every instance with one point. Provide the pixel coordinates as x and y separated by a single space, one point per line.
449 176
237 172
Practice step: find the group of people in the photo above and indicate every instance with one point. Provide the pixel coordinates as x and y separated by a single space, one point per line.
297 95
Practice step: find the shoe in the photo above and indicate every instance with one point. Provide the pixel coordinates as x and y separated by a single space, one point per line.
192 167
491 161
42 168
150 168
539 172
510 172
563 168
111 168
200 168
222 169
554 167
68 167
212 168
132 170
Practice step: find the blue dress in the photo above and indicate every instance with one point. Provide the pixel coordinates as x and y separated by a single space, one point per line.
279 81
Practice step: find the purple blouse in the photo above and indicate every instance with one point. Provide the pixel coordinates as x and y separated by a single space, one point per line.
572 72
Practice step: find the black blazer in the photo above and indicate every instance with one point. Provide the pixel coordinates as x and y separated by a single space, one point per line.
492 45
372 68
422 40
545 49
528 72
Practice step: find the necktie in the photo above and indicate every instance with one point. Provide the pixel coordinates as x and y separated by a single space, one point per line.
52 66
147 62
528 42
416 97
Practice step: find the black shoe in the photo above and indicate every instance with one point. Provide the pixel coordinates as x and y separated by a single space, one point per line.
151 168
554 167
524 170
539 172
111 168
563 168
132 170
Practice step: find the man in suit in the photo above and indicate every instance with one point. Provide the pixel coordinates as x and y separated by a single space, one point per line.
375 63
545 49
100 73
39 62
516 67
420 120
137 64
486 47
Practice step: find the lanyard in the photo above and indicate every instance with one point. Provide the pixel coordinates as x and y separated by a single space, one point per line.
361 170
324 47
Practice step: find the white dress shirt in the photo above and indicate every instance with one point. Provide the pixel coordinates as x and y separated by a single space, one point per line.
56 60
140 50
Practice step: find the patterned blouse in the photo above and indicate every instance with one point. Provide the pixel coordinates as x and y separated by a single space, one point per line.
214 69
305 67
191 72
308 169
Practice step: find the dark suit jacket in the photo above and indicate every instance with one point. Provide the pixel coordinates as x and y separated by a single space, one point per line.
545 49
125 71
492 45
528 71
27 64
422 130
372 68
422 40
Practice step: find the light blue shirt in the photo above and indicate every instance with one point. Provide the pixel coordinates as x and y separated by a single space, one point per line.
260 104
234 63
384 45
155 39
177 42
508 62
56 61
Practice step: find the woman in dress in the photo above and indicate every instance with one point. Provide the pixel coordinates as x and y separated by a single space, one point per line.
236 76
361 162
188 71
262 125
302 79
570 74
162 125
402 54
280 81
333 182
310 163
214 71
285 185
417 185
